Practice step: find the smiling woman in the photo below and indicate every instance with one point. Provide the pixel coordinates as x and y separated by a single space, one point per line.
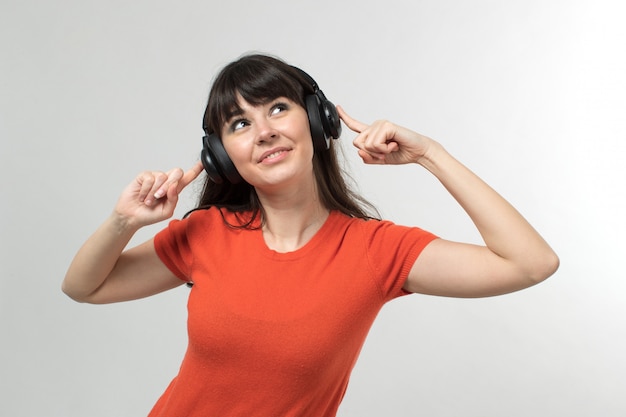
270 143
288 266
258 81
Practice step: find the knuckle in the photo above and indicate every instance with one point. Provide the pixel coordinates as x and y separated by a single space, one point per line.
146 178
160 177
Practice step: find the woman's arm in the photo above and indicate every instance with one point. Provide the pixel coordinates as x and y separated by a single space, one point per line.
514 256
102 272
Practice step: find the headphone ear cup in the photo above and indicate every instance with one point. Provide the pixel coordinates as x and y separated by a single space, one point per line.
330 119
320 140
216 162
209 164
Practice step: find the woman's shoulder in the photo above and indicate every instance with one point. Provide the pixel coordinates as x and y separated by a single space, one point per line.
339 218
228 217
196 223
371 228
341 222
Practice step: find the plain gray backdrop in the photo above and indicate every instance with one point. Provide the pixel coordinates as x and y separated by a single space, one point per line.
530 94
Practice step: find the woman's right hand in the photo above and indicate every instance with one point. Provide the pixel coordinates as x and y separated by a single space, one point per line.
152 196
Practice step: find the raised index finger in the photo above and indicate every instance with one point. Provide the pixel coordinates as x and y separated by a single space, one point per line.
353 124
191 175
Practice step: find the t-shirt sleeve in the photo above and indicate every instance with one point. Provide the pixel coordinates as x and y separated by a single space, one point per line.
392 250
172 247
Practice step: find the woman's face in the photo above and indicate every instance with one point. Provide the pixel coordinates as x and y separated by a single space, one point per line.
270 144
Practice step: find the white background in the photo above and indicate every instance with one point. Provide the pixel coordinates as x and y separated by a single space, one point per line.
530 94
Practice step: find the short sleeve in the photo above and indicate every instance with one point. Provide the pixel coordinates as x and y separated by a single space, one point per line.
172 246
391 251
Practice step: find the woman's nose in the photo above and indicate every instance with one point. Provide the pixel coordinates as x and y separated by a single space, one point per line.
265 131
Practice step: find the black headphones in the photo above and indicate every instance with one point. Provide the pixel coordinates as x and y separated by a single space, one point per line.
324 123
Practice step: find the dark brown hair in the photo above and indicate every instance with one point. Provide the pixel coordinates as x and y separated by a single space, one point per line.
259 79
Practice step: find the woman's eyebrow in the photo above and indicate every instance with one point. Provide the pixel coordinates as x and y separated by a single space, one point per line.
234 112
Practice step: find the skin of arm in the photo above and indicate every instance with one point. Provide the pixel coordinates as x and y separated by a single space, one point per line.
514 256
102 270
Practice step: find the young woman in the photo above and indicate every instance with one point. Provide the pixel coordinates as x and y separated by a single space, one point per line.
288 266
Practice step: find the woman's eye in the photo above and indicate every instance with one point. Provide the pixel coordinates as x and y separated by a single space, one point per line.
238 124
279 107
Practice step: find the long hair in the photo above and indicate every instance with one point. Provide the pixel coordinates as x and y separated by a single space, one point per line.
259 79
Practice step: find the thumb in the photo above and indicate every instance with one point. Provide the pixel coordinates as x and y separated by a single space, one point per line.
169 203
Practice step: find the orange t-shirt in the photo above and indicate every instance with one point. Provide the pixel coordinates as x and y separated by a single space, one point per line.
277 334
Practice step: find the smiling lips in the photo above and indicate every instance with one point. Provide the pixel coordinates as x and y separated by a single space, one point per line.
272 155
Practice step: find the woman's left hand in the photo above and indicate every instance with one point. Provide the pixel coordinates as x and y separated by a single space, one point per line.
384 142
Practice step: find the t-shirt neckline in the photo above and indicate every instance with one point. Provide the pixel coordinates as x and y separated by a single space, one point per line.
305 249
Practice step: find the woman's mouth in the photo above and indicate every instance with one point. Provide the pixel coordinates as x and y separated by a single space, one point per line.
273 155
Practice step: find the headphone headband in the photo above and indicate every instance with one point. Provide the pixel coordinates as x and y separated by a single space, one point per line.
308 78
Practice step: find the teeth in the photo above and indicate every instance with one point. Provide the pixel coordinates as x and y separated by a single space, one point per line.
273 155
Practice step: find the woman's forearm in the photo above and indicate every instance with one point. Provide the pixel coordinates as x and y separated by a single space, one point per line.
97 257
504 230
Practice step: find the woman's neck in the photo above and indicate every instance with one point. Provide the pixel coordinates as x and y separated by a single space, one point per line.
291 219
